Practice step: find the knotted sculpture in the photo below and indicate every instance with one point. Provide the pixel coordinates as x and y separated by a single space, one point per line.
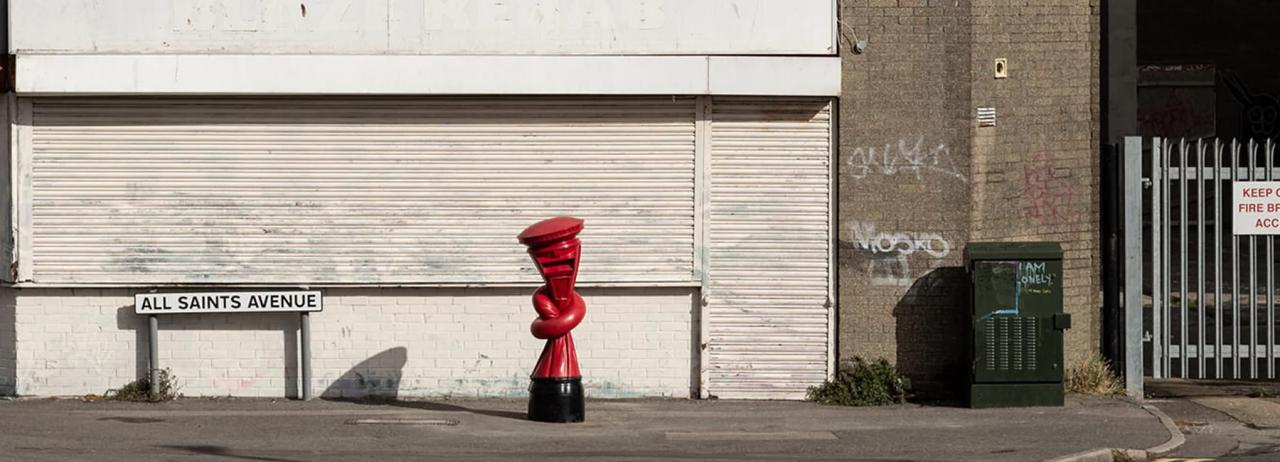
555 394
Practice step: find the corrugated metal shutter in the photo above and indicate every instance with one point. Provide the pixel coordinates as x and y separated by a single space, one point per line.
351 191
769 257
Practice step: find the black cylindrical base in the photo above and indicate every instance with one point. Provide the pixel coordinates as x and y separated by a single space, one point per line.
556 399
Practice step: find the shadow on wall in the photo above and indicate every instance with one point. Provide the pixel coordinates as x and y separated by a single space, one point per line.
931 322
376 381
126 319
376 377
8 342
286 323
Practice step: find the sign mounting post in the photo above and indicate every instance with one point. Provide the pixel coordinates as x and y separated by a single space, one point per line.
302 302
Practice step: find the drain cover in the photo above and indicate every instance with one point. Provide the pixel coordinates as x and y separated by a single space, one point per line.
749 436
436 422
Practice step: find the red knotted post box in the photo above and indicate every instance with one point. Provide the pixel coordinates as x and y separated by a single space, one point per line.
555 394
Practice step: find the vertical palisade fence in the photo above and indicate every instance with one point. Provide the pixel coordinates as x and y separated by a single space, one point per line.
1207 295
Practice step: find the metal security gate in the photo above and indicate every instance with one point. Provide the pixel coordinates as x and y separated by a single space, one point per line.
1207 296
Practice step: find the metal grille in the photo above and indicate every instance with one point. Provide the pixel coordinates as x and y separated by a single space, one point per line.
991 342
1031 342
1002 344
1011 343
1210 312
1015 338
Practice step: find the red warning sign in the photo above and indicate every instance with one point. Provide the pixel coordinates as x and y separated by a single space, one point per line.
1256 207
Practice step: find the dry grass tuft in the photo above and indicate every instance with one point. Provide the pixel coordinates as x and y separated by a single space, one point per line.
1093 376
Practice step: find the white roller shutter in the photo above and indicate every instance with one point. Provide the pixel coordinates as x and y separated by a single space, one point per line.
769 260
352 191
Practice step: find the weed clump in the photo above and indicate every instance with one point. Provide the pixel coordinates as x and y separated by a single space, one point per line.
862 383
140 390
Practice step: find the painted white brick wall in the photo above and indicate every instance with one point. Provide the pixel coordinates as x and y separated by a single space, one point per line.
389 342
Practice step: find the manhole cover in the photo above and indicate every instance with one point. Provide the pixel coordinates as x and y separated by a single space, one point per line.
133 420
434 422
749 436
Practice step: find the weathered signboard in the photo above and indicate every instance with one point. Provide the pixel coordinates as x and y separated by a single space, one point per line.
1256 207
657 27
228 302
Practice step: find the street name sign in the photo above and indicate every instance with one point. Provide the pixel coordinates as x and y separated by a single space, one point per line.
228 302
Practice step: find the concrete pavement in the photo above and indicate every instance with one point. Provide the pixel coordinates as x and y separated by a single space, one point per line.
283 431
1231 421
1212 433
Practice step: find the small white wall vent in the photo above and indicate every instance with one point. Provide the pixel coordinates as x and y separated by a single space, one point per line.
986 117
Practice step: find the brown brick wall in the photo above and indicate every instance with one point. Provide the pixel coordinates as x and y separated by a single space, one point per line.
1036 173
919 179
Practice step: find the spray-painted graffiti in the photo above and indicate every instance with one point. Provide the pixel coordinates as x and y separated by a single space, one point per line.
1178 113
1027 277
1035 277
1259 112
889 254
1050 199
907 156
866 237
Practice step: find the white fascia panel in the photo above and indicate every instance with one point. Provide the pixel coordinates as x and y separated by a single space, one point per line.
357 75
425 27
774 76
424 75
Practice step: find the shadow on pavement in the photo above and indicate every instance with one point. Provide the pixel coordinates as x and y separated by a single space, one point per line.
437 406
224 452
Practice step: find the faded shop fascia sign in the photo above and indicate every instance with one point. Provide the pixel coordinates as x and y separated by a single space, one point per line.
663 27
1256 207
228 302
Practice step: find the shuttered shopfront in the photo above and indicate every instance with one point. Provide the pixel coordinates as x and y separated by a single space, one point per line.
730 194
311 191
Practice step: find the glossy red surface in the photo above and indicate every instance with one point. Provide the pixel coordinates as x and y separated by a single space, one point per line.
550 230
555 249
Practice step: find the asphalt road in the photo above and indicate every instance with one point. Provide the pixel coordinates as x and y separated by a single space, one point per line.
287 431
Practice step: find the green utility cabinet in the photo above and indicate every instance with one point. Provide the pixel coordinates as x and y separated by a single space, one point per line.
1016 324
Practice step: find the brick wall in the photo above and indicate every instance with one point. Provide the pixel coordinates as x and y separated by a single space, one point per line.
918 179
388 342
1036 173
904 183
